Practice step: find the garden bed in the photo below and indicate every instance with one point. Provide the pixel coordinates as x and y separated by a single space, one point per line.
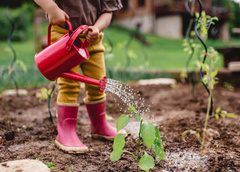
27 133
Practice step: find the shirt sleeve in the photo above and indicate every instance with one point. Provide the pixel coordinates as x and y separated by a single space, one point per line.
111 5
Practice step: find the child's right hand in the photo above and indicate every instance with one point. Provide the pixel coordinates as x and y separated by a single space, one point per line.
57 17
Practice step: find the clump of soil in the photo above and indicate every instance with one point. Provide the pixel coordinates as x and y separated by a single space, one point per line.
27 133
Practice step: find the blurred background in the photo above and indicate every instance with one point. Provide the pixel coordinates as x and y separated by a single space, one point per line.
144 40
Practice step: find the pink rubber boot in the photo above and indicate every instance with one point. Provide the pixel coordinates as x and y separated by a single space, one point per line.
100 128
67 139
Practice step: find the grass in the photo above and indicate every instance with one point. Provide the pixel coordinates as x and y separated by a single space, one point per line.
160 54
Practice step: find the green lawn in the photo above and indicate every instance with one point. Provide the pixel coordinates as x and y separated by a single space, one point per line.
160 54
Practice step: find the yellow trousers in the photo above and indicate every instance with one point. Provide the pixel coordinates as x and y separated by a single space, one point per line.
93 68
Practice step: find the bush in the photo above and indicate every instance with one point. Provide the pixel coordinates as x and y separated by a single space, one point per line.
22 18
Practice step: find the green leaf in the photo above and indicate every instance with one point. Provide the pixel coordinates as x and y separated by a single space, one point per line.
215 18
22 65
184 134
231 115
108 118
197 14
218 109
115 156
222 115
205 67
44 90
214 73
204 30
191 132
119 143
131 108
148 133
122 121
224 112
216 116
137 117
198 135
146 162
158 146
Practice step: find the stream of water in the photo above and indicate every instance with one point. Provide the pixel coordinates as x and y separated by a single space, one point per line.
127 95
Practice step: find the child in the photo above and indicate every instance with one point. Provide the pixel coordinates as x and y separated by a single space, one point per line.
97 15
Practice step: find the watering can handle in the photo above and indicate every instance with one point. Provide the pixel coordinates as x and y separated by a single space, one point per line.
74 36
49 31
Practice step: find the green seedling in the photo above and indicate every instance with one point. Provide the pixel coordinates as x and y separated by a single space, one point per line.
228 86
70 169
43 94
51 166
202 24
222 113
39 159
191 132
109 118
151 138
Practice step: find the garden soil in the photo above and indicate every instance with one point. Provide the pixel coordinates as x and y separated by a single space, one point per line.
27 133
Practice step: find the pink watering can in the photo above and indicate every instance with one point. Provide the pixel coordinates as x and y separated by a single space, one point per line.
67 52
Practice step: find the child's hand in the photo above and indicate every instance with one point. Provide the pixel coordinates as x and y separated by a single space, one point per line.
92 34
57 17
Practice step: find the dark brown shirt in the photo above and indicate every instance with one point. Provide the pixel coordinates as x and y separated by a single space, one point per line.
86 12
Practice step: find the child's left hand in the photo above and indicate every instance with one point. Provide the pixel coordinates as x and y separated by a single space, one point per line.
92 34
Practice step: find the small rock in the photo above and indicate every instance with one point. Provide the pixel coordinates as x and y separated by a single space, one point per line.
234 66
158 81
13 92
25 165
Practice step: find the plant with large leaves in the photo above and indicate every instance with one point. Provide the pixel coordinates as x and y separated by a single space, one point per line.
148 133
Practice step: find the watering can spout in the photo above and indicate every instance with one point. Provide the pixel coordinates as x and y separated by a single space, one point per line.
77 77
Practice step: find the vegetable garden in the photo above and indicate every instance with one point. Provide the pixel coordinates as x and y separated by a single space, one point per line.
190 125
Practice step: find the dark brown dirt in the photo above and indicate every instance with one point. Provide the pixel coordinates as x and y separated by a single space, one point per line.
26 131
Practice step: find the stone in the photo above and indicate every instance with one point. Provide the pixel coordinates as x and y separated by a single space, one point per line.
25 165
13 92
234 66
158 81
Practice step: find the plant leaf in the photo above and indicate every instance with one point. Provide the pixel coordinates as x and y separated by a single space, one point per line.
148 133
204 30
215 18
231 115
184 134
22 65
131 108
146 162
137 117
122 121
205 67
115 156
218 109
214 73
216 116
158 146
119 143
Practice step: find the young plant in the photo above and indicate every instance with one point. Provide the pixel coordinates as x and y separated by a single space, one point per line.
223 114
151 138
51 166
70 169
202 24
43 94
